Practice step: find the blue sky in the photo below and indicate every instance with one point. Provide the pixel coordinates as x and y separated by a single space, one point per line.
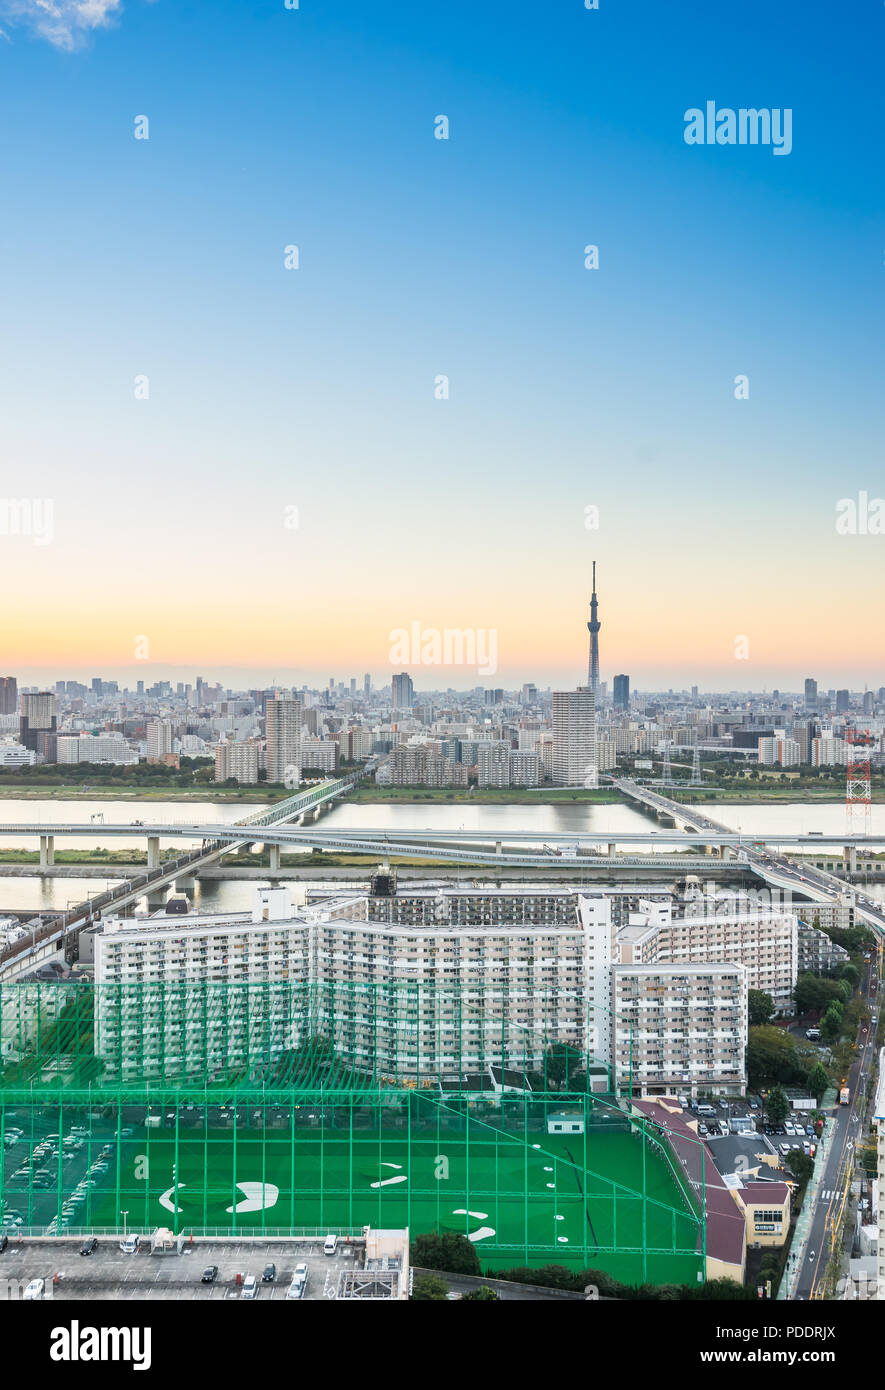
465 257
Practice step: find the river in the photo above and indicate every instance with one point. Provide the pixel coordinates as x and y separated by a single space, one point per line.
504 821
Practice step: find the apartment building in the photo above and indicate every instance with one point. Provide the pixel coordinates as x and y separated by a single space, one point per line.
423 984
146 1027
319 754
765 943
95 748
679 1028
574 738
159 739
283 729
818 953
238 761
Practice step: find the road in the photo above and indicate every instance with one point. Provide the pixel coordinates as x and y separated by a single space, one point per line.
848 1122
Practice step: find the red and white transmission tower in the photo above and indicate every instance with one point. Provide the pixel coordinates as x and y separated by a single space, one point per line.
858 786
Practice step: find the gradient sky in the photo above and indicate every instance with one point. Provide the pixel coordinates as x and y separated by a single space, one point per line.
273 389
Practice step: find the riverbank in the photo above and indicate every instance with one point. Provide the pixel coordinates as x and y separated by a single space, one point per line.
63 791
485 796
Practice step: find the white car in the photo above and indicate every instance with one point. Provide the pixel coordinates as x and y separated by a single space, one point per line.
330 1244
36 1289
250 1287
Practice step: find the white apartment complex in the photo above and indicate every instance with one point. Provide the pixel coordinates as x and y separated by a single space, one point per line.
422 983
95 748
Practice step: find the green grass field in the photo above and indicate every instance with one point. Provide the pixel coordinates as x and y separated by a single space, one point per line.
519 1202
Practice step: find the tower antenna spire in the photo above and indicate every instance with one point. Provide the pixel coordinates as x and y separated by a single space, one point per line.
593 628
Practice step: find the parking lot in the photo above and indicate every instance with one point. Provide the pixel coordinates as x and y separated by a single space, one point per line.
109 1274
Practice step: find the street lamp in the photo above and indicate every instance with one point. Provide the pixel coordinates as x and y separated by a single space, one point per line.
124 1214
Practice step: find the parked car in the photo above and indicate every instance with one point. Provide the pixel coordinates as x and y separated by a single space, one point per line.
4 1241
88 1246
36 1289
130 1245
269 1275
209 1275
299 1282
330 1244
250 1287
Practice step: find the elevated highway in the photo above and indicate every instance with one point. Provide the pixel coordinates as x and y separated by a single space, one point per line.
44 941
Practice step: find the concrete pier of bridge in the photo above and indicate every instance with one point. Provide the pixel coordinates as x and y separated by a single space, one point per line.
47 851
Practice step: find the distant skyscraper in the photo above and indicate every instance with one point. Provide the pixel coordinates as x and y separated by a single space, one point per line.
593 628
37 725
842 701
367 685
811 696
283 729
622 692
403 691
159 739
8 694
574 738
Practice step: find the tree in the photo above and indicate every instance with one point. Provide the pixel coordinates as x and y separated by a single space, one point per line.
777 1107
771 1056
818 1081
831 1023
761 1007
813 992
481 1295
429 1288
801 1165
448 1251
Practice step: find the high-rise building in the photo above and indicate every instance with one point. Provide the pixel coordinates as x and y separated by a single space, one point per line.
367 686
811 695
593 628
8 694
622 692
403 691
159 739
283 730
574 738
38 724
842 701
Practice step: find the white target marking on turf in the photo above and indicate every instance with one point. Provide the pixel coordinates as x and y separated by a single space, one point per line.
387 1182
551 1184
167 1202
257 1196
563 1240
559 1218
391 1165
547 1168
484 1232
